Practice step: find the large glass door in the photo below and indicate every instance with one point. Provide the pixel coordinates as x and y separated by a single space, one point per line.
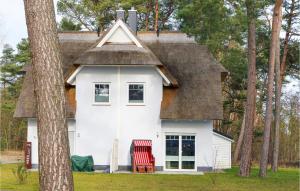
180 152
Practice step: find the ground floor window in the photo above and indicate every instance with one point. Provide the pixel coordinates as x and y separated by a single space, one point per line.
180 152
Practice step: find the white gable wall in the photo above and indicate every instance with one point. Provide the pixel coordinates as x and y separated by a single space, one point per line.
98 125
119 36
119 33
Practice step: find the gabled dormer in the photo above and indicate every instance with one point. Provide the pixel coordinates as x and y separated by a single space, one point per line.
120 46
119 34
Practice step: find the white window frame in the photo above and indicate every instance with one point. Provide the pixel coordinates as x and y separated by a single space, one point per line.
180 151
109 94
144 94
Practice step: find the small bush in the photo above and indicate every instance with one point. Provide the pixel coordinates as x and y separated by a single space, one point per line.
20 173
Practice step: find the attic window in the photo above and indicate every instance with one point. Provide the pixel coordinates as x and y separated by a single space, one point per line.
102 93
136 93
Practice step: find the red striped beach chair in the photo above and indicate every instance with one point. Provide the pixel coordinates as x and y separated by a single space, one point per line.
141 156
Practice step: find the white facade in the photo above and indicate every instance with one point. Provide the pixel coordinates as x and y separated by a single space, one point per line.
33 138
118 119
96 126
221 152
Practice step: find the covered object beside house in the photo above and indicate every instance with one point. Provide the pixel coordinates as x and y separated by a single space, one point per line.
122 86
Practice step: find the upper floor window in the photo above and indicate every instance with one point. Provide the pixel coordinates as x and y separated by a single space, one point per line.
136 93
102 93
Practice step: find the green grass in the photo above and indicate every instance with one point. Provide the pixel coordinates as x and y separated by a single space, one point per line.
285 180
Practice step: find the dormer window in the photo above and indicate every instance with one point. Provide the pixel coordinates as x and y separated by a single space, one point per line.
102 91
136 93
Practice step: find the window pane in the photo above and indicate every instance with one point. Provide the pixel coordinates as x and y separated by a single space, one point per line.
188 164
172 152
172 164
188 147
172 147
101 92
136 93
188 152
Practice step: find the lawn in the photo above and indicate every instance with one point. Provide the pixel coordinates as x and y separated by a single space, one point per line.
285 180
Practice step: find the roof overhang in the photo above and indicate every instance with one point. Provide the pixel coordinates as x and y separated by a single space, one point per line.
166 80
226 137
71 80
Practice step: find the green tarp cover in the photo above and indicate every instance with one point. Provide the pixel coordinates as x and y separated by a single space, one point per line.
82 163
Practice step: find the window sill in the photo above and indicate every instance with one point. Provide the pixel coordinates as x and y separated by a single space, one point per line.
101 104
136 104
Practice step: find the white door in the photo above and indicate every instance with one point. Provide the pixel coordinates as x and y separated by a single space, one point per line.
180 152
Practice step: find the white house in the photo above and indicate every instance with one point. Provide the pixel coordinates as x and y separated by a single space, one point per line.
125 85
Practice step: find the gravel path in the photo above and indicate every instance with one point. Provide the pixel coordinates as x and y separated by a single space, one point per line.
7 157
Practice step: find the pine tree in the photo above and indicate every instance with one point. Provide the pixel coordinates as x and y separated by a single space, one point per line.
54 154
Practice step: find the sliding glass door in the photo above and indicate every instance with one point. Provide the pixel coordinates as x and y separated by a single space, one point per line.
180 152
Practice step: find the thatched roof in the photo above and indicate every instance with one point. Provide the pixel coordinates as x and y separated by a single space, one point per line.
26 103
195 76
199 94
121 54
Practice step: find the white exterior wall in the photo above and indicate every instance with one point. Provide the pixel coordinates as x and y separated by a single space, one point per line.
97 126
203 139
221 152
33 137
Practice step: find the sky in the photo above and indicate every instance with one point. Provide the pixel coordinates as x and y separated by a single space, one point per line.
12 22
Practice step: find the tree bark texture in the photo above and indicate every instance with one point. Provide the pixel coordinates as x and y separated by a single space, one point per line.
53 145
279 82
269 108
240 141
245 163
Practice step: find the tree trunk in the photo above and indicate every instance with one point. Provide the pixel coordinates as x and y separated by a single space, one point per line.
147 15
53 145
239 142
279 80
156 16
269 109
245 164
277 101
